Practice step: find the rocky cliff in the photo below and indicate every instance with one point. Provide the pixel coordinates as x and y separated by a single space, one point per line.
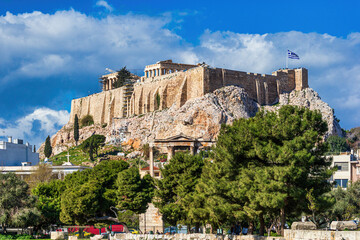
199 118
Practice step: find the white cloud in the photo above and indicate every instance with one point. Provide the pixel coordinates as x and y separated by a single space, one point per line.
68 44
104 4
36 126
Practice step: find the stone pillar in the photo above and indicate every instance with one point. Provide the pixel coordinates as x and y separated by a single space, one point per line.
151 158
192 148
170 152
160 72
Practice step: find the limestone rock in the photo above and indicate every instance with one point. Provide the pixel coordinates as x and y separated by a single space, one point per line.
310 99
342 225
134 154
198 118
303 226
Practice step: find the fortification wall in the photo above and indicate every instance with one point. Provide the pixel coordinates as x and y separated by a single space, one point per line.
265 89
101 106
172 88
162 91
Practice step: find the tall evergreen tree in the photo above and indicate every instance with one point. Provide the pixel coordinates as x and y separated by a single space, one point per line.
76 129
180 177
266 164
48 148
122 75
133 192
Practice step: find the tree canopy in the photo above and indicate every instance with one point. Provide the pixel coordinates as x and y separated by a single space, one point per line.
266 164
122 75
180 177
76 129
48 148
337 144
92 144
17 207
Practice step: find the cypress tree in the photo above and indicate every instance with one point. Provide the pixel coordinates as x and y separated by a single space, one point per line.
76 129
48 148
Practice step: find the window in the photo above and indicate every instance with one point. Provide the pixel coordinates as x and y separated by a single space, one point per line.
341 182
342 166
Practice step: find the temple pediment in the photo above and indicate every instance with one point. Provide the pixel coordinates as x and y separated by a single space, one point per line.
177 138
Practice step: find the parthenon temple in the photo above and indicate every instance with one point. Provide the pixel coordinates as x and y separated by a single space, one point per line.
165 67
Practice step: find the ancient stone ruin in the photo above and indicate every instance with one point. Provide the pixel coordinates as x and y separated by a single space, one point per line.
166 83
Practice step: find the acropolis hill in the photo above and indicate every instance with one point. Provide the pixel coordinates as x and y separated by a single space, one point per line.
177 83
173 99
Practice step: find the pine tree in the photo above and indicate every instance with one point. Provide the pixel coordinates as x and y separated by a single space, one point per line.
122 75
266 165
48 148
180 177
76 129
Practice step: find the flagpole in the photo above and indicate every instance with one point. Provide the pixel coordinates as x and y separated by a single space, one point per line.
287 59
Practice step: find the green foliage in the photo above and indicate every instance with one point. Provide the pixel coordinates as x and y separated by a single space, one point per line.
346 203
173 191
122 75
264 165
17 207
48 148
92 144
337 144
130 218
133 193
157 101
17 236
87 120
76 129
80 203
49 199
78 156
90 193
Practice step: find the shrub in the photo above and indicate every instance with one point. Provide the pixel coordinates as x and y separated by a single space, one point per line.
87 121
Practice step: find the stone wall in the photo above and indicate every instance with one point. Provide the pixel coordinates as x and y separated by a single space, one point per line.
195 236
101 106
162 91
321 235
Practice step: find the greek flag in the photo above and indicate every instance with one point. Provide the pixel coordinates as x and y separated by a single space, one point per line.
292 55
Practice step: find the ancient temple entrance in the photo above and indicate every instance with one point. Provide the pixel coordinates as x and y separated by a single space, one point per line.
176 143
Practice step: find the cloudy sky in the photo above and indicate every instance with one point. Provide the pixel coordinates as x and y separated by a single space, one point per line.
54 51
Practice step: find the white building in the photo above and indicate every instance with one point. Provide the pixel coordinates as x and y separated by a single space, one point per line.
347 169
59 171
16 153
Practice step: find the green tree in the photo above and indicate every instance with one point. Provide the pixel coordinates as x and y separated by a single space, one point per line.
17 207
49 200
97 184
87 120
180 177
81 203
122 75
337 144
266 164
92 144
133 192
48 148
76 129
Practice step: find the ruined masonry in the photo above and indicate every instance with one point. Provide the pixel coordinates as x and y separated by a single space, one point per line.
166 83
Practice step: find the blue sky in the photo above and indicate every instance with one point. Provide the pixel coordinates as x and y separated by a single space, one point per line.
54 51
